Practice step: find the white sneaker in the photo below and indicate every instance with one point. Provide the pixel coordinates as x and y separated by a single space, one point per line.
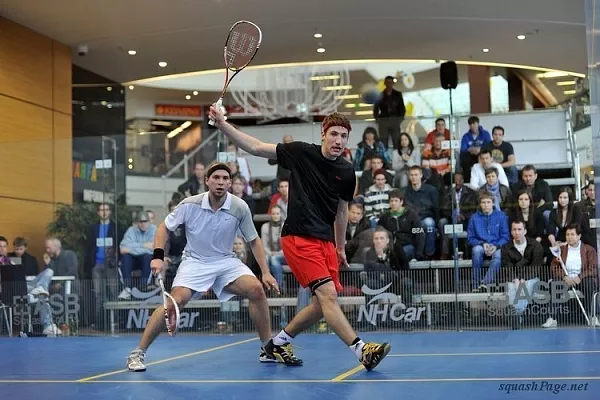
38 290
125 294
135 361
550 323
595 322
52 331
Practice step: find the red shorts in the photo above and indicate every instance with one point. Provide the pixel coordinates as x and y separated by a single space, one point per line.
311 260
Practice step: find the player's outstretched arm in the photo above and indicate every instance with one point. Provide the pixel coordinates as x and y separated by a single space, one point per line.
258 251
241 139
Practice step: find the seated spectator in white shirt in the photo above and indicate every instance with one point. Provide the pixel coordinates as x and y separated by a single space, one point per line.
502 195
522 260
478 170
581 265
136 248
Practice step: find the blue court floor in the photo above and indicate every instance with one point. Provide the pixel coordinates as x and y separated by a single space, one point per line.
524 364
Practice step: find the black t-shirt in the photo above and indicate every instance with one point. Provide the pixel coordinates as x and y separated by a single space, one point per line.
316 185
500 153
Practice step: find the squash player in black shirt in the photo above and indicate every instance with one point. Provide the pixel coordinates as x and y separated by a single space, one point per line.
322 184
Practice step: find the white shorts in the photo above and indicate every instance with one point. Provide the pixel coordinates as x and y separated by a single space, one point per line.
201 276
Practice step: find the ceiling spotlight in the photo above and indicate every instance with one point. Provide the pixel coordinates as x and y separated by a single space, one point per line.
320 50
131 87
132 52
195 93
187 97
486 50
162 64
318 36
521 37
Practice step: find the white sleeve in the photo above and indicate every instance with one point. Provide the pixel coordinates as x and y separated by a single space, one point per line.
176 217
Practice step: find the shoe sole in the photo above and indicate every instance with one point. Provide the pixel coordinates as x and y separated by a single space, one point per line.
386 349
280 360
136 370
266 360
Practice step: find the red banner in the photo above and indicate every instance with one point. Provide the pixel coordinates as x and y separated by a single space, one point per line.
176 110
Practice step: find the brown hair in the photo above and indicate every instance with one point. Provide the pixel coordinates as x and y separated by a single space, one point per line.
336 119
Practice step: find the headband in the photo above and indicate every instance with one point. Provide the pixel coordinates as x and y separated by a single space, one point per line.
216 167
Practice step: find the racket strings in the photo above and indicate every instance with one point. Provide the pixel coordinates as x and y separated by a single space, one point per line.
241 45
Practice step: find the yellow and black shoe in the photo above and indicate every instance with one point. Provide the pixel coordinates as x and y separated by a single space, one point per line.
282 353
373 354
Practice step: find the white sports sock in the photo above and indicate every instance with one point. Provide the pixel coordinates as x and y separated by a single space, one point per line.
357 348
282 338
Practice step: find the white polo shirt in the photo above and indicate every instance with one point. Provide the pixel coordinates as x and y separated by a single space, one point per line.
210 234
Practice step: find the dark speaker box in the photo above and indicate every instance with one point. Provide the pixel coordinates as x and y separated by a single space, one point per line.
449 75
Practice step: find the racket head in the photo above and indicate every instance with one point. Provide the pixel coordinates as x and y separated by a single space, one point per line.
172 315
171 310
241 45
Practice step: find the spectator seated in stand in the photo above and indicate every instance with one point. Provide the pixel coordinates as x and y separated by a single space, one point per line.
404 157
522 260
502 196
369 147
367 179
136 248
383 267
270 233
424 199
478 176
377 198
470 147
357 224
581 264
457 207
487 234
404 226
28 261
524 210
540 190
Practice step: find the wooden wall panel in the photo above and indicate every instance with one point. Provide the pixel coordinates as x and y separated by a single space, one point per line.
27 219
63 156
35 141
62 92
25 64
23 122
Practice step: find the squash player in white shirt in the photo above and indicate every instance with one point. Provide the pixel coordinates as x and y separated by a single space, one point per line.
212 221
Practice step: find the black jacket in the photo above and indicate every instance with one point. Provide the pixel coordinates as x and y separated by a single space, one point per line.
405 230
527 266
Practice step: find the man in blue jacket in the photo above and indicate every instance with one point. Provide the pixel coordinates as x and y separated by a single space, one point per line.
487 234
471 144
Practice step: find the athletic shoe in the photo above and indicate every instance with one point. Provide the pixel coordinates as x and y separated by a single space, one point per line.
135 361
373 354
282 353
266 358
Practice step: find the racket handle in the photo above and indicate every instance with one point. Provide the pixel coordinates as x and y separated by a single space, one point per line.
219 104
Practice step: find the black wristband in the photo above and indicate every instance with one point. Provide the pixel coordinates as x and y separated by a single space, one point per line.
159 254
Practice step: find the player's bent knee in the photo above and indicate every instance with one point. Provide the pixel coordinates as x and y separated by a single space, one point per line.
255 292
325 291
181 295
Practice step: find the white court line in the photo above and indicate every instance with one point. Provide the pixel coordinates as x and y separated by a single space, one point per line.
508 353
